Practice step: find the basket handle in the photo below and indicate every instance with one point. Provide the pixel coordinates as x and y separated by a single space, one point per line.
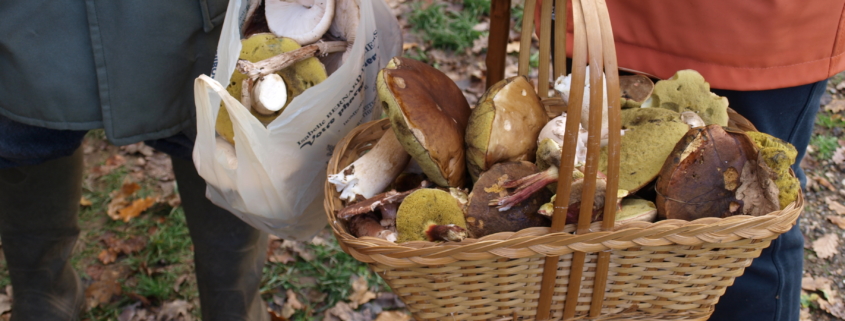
593 39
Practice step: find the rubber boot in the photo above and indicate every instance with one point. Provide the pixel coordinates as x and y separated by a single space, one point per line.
229 254
39 207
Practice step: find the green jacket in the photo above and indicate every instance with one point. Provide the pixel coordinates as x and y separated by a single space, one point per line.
127 66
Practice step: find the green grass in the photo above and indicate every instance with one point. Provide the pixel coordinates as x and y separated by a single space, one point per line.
824 146
329 273
445 29
830 121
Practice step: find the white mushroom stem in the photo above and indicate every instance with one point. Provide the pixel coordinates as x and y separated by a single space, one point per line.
373 172
563 85
226 153
246 93
270 93
304 21
276 63
692 119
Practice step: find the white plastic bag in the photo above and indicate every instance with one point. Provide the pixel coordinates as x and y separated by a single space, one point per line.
276 181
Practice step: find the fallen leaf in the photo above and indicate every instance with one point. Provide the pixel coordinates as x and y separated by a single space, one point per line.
136 208
822 284
135 312
409 45
107 256
139 148
824 182
291 305
5 303
393 316
107 287
159 167
512 46
130 245
300 249
838 220
318 240
836 308
835 206
839 156
178 283
85 202
825 246
344 312
835 106
94 271
175 311
119 198
360 292
757 190
482 26
805 315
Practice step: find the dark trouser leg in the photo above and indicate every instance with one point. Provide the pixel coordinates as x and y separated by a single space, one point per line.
38 225
770 288
229 254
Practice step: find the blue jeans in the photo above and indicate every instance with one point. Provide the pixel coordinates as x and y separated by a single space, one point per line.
770 288
22 144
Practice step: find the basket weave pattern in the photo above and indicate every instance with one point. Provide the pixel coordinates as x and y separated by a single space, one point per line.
669 270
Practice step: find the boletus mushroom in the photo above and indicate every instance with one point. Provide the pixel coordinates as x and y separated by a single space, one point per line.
779 156
297 78
504 125
688 91
483 219
429 114
714 173
650 136
636 89
304 21
372 173
430 214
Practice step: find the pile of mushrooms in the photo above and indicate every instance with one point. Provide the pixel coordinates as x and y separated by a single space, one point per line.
283 43
446 172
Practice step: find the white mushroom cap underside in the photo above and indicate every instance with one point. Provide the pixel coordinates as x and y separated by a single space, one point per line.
304 21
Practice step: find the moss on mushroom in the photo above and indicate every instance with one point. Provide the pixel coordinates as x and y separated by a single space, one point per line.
424 207
779 156
687 90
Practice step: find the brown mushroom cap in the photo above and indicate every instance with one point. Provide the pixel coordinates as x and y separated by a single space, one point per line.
504 125
483 219
429 115
636 89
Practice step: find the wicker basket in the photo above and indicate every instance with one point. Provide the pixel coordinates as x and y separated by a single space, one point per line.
669 270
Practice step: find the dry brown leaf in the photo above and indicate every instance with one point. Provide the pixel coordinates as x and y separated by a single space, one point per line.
835 206
343 311
839 155
835 307
805 315
512 46
409 45
107 287
135 312
5 303
178 310
300 249
838 220
107 256
757 190
360 292
812 284
835 106
291 305
824 182
85 202
393 316
178 283
825 246
136 208
140 148
119 199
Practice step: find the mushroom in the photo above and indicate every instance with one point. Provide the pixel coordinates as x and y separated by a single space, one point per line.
367 224
386 204
714 172
573 209
347 14
504 125
779 156
304 21
297 77
650 136
563 85
687 90
429 115
636 89
633 209
270 93
373 172
430 214
482 219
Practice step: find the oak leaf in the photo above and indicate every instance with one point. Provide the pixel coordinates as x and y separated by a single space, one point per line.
839 155
85 202
175 310
5 303
107 287
835 106
835 206
393 316
291 305
825 246
838 220
137 207
360 292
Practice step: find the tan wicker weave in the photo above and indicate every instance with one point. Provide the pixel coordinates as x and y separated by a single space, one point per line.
669 270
